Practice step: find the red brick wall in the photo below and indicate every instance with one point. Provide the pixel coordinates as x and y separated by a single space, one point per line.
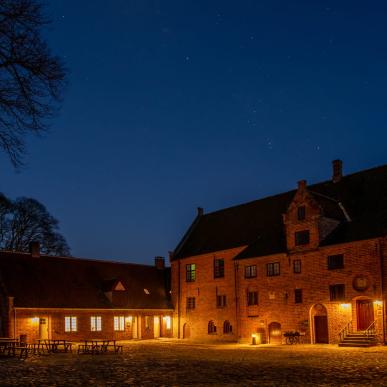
205 289
276 294
27 323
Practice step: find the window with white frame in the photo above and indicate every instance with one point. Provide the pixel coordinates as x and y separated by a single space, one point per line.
119 323
70 324
96 323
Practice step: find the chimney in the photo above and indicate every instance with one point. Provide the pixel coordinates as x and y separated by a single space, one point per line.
337 170
301 185
35 249
160 263
200 211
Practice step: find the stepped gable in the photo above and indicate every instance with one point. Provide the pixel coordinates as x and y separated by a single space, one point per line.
259 225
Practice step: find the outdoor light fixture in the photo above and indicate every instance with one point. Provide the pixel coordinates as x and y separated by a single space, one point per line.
35 320
378 303
345 306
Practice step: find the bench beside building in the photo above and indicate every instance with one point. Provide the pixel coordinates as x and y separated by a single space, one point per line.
312 260
68 298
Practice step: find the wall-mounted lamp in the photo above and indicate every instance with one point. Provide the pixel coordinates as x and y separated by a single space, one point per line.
345 306
378 303
35 320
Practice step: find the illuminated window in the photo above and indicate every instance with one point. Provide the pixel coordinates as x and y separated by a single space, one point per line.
298 296
250 271
227 327
336 262
220 301
252 298
190 272
301 213
301 237
191 302
273 269
70 324
337 292
146 291
211 328
119 323
297 266
96 323
218 268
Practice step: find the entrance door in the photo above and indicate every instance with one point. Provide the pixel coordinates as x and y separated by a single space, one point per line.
186 331
275 334
365 314
156 326
321 329
43 328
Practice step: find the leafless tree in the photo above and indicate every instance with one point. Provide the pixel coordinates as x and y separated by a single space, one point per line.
26 220
31 78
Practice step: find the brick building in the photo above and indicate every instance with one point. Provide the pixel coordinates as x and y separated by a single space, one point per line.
68 298
313 260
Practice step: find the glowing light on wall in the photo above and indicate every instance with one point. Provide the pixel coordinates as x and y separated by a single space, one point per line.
345 306
35 320
378 303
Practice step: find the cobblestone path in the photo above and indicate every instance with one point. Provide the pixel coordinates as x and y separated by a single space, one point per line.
169 363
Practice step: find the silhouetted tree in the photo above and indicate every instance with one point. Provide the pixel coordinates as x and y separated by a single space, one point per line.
31 78
26 220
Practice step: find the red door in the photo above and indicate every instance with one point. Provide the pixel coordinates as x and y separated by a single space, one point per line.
321 329
365 314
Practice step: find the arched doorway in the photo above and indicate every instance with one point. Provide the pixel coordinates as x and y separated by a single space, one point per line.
186 331
319 317
275 334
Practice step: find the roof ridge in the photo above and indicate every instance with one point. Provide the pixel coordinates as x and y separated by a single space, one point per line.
46 256
289 191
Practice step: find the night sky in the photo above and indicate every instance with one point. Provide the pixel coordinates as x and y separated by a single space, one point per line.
173 105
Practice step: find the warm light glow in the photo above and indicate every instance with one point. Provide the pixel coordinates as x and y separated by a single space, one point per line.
254 335
167 320
378 303
276 332
35 320
345 306
129 319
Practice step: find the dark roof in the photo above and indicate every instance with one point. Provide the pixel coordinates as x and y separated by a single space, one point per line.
259 224
61 282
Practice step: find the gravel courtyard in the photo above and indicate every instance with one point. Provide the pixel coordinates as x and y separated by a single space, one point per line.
169 363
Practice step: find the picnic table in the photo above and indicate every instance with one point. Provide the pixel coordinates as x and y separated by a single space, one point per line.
53 345
10 347
96 346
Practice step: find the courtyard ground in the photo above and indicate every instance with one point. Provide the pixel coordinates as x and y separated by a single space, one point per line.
172 363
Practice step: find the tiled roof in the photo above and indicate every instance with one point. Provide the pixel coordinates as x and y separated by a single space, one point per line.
61 282
259 225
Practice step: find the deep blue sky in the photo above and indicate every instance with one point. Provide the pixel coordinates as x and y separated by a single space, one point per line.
177 104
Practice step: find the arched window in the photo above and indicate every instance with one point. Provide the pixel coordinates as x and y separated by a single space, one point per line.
227 327
211 327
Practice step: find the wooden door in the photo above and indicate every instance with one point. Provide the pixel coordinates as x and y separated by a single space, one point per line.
321 329
186 331
365 314
43 328
275 334
156 326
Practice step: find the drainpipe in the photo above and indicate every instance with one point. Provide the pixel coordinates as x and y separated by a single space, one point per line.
236 298
381 260
178 303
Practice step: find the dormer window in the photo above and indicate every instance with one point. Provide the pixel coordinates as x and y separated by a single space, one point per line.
302 238
301 212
